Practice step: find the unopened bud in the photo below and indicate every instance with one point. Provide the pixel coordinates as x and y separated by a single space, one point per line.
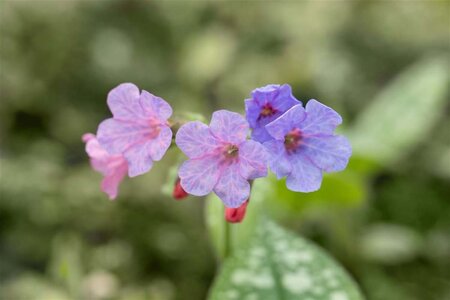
236 215
178 192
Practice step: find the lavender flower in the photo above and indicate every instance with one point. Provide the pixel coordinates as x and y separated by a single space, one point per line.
267 104
221 159
304 145
138 130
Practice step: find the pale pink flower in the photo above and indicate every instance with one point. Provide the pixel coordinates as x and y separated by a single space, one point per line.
113 167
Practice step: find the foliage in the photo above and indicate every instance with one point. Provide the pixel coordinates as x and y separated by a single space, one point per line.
383 66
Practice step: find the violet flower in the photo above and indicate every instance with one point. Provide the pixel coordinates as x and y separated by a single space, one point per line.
304 145
266 104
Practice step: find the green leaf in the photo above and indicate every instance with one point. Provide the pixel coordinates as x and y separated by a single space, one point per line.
277 264
404 113
345 189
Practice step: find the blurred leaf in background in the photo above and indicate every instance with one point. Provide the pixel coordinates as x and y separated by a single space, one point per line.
382 65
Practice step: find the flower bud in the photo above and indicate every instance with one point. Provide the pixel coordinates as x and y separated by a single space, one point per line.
178 192
236 215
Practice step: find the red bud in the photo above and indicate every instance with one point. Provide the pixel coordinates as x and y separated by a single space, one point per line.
178 192
236 215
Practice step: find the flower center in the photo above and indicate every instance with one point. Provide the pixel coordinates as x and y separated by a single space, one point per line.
267 111
293 139
231 151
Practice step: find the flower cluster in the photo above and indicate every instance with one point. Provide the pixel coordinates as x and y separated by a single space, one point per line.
296 142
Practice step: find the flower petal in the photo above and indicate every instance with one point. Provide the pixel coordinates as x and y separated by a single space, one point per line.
155 106
232 188
159 145
110 184
229 126
117 136
288 121
199 176
278 159
305 176
329 152
123 101
261 135
252 160
282 99
252 111
139 159
195 139
320 119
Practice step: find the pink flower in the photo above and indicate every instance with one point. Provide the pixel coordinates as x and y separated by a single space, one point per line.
221 158
138 130
113 167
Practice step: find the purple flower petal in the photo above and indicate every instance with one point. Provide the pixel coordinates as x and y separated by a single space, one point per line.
229 126
159 145
252 160
278 160
328 152
305 176
155 106
123 101
195 139
139 159
267 104
118 136
232 188
199 176
320 119
288 121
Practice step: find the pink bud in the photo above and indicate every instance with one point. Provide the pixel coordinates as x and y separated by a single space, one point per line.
236 215
178 192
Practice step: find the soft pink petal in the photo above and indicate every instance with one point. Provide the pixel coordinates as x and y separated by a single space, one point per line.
118 136
305 176
110 184
229 126
232 188
331 153
159 145
286 122
252 160
155 106
123 101
278 158
199 176
195 139
320 119
113 167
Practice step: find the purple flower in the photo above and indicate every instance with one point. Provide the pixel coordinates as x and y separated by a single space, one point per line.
113 167
221 159
267 104
138 130
304 145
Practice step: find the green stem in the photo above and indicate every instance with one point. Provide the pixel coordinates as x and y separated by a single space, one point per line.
227 240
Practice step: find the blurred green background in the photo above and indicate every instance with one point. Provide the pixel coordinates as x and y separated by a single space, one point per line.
383 65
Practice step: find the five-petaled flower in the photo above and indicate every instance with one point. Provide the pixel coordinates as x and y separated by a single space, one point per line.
221 159
267 104
113 167
304 144
138 130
